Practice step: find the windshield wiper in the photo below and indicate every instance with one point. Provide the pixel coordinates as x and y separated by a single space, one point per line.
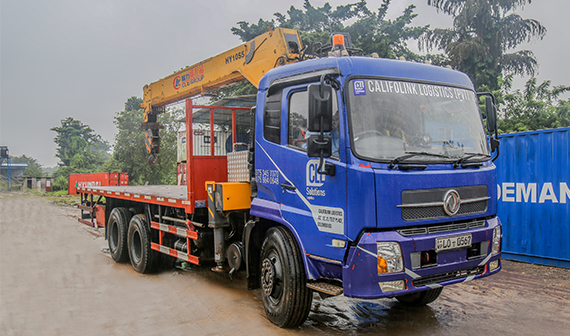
408 155
467 157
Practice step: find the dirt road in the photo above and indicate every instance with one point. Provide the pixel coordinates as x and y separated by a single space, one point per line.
56 279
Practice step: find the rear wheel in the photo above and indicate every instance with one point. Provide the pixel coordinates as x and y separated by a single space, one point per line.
420 298
284 292
143 258
118 226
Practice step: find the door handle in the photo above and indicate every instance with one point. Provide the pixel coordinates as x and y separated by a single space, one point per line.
288 186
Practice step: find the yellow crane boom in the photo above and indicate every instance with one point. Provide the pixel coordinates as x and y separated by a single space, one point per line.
248 61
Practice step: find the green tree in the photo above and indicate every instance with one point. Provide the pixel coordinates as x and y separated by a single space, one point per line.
130 155
34 168
536 107
79 149
483 32
369 31
78 146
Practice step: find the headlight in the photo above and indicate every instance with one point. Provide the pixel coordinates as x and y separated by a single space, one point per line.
389 257
497 240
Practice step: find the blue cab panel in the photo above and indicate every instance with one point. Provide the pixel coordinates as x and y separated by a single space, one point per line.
338 218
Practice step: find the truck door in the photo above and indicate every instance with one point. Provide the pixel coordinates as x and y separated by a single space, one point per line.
314 204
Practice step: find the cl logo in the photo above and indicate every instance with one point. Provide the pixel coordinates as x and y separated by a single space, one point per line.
451 202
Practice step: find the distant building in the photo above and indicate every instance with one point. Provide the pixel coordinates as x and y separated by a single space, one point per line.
41 184
17 170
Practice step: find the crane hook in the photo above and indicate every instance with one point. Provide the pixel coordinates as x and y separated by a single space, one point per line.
152 159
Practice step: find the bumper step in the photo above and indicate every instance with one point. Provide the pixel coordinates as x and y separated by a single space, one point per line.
325 287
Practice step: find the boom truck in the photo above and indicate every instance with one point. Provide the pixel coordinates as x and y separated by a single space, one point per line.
363 176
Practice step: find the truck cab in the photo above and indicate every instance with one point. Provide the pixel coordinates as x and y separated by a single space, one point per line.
404 201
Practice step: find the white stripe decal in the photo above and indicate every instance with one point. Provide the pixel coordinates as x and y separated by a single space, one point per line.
365 250
486 259
434 286
469 278
313 208
412 274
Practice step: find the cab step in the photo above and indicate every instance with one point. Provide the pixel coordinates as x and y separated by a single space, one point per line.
325 287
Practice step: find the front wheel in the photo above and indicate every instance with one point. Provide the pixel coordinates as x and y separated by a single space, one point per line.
420 298
284 292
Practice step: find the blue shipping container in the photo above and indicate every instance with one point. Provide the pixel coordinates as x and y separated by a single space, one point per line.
533 175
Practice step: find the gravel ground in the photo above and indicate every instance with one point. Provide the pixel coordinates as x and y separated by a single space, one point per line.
57 279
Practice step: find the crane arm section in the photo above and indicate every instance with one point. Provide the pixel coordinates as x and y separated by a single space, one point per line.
248 61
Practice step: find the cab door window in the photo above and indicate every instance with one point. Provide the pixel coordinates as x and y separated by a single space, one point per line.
298 119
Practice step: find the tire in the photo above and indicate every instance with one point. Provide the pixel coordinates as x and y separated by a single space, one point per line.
118 226
420 298
285 295
143 258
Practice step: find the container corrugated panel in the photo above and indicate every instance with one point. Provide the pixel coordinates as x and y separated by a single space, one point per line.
533 174
124 179
87 180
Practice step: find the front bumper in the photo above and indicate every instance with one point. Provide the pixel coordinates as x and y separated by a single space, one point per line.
360 272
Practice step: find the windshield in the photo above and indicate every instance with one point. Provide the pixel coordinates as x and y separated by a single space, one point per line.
391 119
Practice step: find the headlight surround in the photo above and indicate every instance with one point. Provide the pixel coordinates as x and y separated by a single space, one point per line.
497 235
389 257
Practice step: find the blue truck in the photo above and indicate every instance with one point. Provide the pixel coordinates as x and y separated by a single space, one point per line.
363 176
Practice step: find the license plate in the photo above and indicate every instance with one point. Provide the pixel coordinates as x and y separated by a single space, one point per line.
452 243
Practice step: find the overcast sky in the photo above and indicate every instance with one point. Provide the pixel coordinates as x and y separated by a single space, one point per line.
85 58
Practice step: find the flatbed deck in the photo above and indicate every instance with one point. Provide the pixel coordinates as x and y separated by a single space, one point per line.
170 195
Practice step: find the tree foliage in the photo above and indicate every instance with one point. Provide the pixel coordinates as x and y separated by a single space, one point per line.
130 153
78 146
370 31
79 149
483 32
536 107
34 168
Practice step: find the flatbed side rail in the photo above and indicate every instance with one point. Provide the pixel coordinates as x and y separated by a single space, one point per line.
180 232
136 197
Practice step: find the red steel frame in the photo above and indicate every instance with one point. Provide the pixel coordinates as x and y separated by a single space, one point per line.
211 168
208 165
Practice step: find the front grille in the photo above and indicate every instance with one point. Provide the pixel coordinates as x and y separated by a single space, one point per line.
423 204
432 212
448 276
440 228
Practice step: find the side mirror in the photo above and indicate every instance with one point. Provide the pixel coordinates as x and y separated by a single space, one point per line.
491 112
317 147
320 108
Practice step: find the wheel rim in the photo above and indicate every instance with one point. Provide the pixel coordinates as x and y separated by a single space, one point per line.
136 247
272 276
